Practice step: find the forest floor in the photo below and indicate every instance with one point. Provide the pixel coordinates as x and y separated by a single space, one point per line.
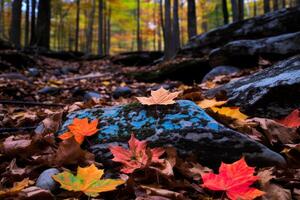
61 86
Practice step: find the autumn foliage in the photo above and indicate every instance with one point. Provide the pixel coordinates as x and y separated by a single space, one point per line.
159 97
87 181
138 156
80 128
235 179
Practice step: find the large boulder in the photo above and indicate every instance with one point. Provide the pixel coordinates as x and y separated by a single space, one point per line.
271 24
273 92
183 125
245 53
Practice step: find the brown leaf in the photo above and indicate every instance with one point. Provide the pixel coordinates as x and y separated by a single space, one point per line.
50 124
159 97
151 190
276 192
276 132
69 152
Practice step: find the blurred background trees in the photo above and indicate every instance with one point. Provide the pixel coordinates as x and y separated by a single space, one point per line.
112 26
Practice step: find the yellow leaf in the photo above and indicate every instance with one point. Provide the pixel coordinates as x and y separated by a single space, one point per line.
17 187
159 97
232 112
106 83
208 103
87 181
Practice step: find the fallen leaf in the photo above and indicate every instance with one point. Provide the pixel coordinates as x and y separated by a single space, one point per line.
276 192
70 153
138 156
292 120
232 112
162 192
234 179
80 128
208 103
159 97
87 181
17 187
276 132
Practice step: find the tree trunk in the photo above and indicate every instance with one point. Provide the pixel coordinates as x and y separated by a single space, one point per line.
100 28
26 39
90 29
108 35
235 10
168 31
266 6
2 17
43 24
162 24
192 20
241 9
77 24
175 32
283 3
275 5
138 28
33 23
255 9
225 12
15 28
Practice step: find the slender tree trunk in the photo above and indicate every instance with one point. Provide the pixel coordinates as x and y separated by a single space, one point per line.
192 20
77 24
175 31
108 35
255 8
26 39
138 29
43 24
15 27
33 23
283 3
162 24
225 12
275 5
2 19
100 28
90 29
241 9
168 31
235 10
266 6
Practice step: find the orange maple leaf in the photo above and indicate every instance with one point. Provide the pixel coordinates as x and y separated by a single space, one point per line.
159 97
234 179
292 120
80 128
138 156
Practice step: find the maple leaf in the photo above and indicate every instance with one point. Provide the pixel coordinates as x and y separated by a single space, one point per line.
80 128
232 112
159 97
292 120
137 156
234 179
87 181
208 103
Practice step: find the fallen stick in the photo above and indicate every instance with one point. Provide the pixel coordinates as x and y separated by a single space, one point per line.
30 103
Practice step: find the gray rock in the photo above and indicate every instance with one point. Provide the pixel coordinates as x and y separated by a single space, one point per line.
91 95
68 69
272 93
245 53
49 90
34 72
220 70
183 125
45 180
122 92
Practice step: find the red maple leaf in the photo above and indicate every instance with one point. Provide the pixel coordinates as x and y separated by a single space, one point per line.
234 179
80 128
292 120
138 156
